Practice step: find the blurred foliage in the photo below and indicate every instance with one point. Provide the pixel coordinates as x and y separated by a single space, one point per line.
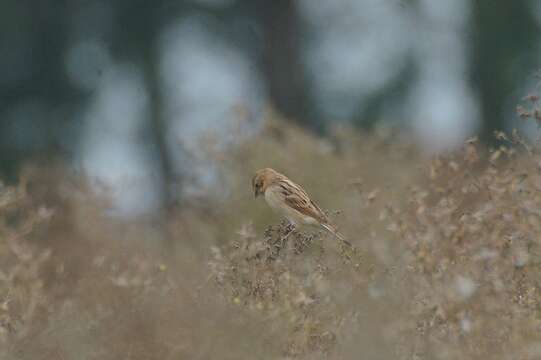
36 36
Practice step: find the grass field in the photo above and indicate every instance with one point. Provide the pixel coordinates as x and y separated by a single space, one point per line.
445 265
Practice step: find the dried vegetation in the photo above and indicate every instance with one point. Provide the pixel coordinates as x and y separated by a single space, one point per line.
445 265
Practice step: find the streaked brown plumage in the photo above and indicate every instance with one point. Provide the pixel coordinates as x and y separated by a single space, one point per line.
291 200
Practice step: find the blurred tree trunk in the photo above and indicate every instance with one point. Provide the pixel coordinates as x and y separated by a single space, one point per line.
139 25
282 63
36 35
505 37
158 125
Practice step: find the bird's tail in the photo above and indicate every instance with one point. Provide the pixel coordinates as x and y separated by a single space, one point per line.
335 232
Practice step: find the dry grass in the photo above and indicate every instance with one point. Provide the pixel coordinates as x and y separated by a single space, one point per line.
445 264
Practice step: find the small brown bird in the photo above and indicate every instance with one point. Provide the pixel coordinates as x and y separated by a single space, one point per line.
291 200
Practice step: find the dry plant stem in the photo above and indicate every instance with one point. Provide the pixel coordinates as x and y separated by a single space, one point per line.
290 229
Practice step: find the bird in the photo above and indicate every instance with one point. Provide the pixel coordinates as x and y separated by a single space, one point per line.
291 200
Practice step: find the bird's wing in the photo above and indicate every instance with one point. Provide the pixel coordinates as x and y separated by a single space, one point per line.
298 199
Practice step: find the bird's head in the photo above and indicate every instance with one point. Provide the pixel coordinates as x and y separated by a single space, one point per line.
262 179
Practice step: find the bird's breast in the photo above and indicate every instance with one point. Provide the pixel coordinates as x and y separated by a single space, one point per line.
275 199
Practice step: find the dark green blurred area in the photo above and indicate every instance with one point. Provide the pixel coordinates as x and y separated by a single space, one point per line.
503 42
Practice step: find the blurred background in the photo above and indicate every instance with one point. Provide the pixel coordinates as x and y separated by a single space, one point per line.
125 91
130 131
